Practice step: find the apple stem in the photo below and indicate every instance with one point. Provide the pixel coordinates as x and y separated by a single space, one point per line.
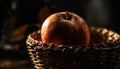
67 15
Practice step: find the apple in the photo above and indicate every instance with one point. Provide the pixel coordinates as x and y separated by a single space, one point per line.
65 28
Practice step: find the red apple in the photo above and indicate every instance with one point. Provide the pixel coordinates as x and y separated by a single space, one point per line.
65 28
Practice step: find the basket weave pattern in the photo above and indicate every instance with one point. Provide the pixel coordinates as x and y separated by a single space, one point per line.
96 56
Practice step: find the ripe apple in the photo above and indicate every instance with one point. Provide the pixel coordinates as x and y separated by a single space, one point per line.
65 28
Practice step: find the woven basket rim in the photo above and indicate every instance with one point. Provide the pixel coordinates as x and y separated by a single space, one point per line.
99 46
46 46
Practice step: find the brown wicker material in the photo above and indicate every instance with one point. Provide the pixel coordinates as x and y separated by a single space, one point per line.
102 53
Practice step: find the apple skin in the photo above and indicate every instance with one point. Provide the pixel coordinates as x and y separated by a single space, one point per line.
65 28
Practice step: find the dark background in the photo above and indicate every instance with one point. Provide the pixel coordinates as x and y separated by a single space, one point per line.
95 12
17 13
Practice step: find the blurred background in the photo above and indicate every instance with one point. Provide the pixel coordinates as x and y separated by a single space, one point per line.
18 18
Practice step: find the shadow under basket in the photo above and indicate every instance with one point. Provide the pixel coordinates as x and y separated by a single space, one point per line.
102 53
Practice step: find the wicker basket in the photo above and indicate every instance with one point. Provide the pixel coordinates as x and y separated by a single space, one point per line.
103 52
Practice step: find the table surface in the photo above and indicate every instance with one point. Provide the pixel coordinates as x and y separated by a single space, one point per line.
16 64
